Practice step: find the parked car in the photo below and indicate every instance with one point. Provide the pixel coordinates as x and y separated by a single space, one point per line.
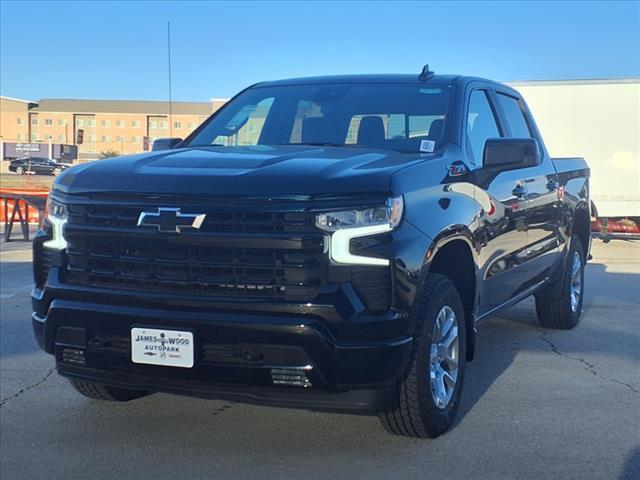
327 243
36 165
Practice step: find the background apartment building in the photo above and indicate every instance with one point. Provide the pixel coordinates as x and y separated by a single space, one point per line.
107 125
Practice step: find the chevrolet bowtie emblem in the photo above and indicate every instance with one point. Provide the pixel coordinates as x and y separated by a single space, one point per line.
170 220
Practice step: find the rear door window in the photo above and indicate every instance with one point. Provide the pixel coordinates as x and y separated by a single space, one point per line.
514 116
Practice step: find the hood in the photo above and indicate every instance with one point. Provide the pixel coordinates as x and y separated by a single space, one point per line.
241 171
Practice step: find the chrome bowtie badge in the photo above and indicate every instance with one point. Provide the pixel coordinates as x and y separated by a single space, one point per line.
171 220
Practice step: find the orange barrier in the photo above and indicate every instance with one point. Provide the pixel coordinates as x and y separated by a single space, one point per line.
616 225
33 213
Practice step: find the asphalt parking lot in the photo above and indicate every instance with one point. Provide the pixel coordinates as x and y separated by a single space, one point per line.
537 404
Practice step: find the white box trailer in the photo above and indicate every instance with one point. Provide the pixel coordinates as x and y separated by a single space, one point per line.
600 121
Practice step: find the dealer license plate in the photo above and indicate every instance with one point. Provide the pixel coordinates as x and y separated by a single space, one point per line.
171 348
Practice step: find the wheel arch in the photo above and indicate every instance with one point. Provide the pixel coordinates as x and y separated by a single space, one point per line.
452 254
581 226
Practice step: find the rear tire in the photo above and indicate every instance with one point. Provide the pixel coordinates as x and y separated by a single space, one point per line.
103 392
559 305
420 409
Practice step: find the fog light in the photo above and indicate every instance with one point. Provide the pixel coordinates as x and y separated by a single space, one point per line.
73 355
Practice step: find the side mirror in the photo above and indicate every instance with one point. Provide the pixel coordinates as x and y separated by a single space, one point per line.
510 153
166 143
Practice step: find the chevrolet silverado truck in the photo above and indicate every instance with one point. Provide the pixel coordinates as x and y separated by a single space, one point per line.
326 243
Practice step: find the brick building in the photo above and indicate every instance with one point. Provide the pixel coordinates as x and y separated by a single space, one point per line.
108 125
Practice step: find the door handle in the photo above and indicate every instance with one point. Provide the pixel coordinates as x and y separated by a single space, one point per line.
552 185
520 191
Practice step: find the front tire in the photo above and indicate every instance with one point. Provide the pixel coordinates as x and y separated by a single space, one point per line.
559 305
98 391
428 396
20 170
56 172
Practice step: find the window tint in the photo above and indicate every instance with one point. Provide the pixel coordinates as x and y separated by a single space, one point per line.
515 116
481 125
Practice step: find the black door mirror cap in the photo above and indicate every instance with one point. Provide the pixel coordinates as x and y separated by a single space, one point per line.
511 153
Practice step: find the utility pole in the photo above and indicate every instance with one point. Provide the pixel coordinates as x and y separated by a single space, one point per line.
169 61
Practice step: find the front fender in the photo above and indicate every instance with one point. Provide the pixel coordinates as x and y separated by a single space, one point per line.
445 213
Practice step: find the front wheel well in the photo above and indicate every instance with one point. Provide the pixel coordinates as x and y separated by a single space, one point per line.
582 227
455 261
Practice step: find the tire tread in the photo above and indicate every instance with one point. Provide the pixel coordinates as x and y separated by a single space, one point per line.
554 310
404 416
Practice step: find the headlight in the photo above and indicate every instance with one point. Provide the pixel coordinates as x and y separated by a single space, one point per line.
55 209
56 213
388 214
348 224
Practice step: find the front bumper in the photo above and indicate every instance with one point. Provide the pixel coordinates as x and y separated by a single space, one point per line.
234 355
356 357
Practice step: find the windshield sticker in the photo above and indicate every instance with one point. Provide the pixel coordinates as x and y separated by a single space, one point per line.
427 146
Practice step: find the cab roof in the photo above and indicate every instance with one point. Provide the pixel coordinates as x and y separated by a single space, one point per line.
377 78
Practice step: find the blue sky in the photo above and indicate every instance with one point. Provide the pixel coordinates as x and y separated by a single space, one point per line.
117 50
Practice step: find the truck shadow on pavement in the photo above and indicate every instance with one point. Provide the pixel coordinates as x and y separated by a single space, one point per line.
631 469
503 337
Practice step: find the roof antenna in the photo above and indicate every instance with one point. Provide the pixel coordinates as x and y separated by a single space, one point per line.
426 74
170 99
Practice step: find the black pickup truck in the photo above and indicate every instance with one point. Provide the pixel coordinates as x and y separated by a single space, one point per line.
327 243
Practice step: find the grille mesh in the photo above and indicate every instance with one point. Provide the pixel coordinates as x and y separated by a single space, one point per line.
234 254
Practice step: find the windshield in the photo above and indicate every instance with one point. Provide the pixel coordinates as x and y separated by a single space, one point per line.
407 118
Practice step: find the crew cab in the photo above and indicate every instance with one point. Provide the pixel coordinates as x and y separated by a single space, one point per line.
326 243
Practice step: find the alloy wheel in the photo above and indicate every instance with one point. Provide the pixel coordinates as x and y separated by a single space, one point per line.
443 361
575 284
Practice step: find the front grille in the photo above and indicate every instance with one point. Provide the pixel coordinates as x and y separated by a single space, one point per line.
252 255
215 271
237 253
